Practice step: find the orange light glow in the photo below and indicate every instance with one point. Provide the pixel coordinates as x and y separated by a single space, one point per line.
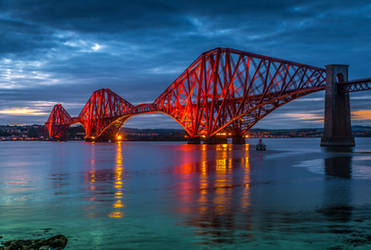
22 111
359 115
203 199
212 190
118 184
116 214
92 175
119 137
306 116
245 199
118 204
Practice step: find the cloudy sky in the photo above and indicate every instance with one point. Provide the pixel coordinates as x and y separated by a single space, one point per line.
61 51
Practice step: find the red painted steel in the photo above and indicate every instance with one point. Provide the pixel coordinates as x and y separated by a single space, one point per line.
103 108
227 87
223 89
58 123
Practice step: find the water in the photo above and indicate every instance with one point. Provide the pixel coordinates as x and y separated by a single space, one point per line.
147 195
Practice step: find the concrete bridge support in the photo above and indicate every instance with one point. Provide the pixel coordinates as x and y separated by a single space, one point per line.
338 129
194 140
238 139
216 140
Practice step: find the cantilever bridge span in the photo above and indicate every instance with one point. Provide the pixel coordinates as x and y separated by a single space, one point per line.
223 89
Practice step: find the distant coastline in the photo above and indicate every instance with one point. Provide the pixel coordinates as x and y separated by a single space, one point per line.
38 132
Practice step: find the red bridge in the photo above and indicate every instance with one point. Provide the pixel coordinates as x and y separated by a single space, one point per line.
223 90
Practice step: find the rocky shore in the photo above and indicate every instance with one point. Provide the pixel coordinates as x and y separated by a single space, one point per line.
56 243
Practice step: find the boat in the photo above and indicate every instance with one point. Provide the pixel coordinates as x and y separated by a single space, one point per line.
261 146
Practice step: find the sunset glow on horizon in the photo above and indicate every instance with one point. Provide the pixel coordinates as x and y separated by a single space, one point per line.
22 111
360 115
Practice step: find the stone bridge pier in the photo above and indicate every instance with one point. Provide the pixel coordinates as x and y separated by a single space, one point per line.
337 127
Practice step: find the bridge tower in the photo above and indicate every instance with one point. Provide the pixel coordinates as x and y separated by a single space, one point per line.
338 129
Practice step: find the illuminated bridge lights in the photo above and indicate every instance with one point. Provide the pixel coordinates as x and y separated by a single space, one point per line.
222 90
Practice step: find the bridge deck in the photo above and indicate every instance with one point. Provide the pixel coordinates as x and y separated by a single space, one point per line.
356 85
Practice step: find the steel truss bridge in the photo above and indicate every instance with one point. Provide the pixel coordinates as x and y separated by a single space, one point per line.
224 89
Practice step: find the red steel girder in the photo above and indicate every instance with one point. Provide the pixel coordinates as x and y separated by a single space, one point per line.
224 85
103 107
58 122
221 88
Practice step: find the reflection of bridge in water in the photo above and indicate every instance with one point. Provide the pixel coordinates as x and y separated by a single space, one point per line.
228 195
223 192
224 90
97 181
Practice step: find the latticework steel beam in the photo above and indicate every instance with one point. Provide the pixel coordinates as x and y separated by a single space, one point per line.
58 122
103 107
221 88
227 86
356 85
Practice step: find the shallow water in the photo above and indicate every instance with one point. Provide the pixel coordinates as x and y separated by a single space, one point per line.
142 195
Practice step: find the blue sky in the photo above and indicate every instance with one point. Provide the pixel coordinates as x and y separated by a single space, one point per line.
61 51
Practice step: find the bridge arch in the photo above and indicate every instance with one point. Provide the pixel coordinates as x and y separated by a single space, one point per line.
58 122
74 128
115 126
103 107
225 85
249 118
255 114
223 88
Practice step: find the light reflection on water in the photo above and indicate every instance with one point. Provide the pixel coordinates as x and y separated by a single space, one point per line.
118 184
209 200
166 195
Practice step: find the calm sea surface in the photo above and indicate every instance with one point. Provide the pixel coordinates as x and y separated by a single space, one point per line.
147 195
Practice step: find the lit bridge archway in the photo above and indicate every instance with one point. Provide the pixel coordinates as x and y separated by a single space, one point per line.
223 89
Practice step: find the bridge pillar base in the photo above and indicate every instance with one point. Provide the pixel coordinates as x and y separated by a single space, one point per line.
238 140
216 140
195 140
99 139
337 141
105 140
338 129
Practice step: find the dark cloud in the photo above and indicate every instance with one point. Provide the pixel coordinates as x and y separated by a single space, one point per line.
19 37
61 51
